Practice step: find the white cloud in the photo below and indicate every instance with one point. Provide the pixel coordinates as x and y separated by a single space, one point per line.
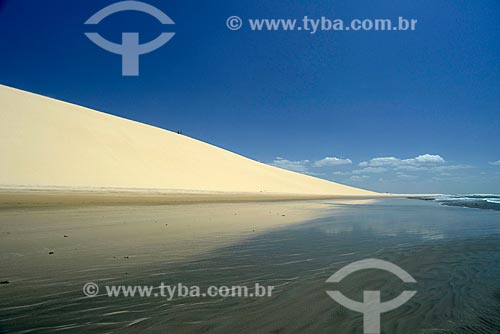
359 177
370 170
495 163
428 158
449 168
303 166
405 176
400 168
421 160
296 166
341 173
385 161
331 161
411 168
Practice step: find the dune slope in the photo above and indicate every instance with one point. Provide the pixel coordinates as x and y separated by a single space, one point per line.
50 143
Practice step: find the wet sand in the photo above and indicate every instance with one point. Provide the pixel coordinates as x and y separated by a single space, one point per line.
453 253
84 237
61 197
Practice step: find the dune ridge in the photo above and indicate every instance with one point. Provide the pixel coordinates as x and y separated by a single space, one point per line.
51 144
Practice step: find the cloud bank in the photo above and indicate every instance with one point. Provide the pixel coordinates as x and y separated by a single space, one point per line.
331 161
425 159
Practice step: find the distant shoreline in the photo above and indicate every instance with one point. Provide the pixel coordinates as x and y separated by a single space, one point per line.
55 197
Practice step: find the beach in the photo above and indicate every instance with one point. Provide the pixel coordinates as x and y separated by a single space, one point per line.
48 254
94 207
302 167
146 233
42 197
88 197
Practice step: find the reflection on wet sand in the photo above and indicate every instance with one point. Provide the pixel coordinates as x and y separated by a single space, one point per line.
453 253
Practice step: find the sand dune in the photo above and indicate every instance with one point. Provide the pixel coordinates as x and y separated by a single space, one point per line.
50 143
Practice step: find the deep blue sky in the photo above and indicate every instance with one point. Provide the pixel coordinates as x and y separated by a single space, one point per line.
302 97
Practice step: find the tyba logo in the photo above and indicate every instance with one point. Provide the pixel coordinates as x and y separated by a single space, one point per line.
130 49
371 307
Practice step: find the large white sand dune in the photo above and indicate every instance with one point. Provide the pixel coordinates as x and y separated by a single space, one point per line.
50 143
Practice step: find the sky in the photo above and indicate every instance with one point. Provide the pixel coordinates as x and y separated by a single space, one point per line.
391 111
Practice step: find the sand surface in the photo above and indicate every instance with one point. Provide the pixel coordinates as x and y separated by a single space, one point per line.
88 237
15 198
49 143
452 253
